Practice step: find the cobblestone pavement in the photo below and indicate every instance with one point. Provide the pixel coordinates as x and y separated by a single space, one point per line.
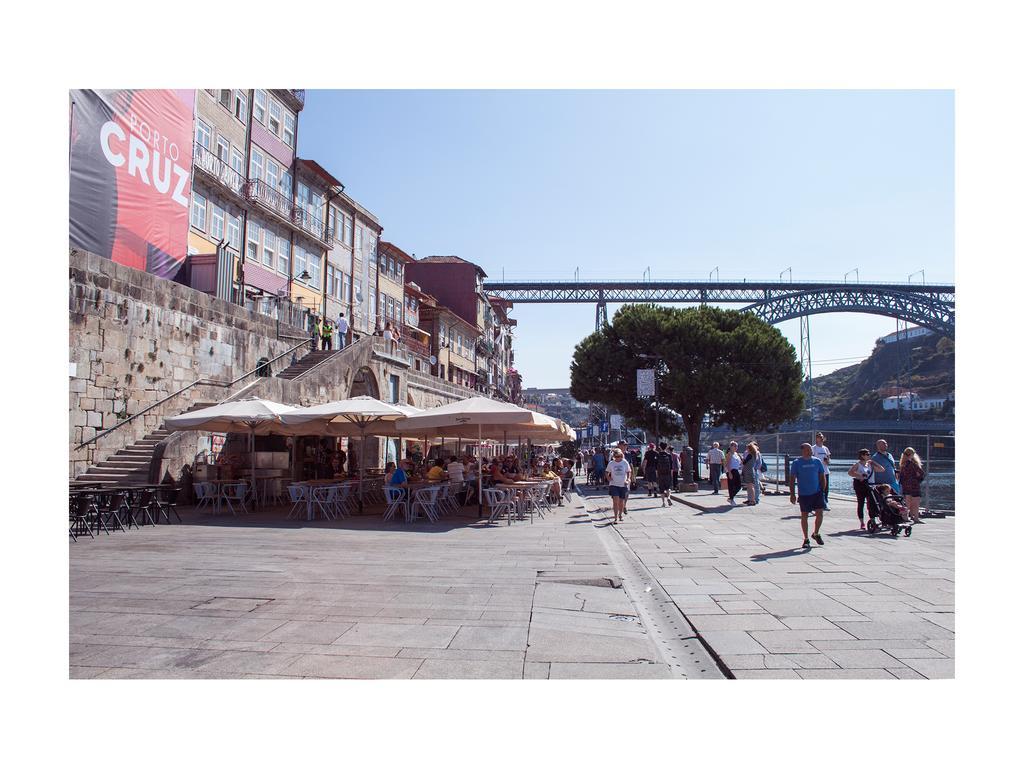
258 597
862 606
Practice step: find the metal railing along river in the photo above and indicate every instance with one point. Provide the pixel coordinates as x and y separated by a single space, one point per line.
937 452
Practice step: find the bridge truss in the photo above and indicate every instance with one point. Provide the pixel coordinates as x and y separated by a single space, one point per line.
929 305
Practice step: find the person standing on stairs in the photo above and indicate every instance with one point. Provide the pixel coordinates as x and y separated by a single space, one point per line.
342 326
326 331
314 331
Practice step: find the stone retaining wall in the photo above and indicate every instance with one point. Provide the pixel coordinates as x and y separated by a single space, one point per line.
136 338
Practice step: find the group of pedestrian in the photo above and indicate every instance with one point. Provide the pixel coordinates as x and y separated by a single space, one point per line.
322 332
809 478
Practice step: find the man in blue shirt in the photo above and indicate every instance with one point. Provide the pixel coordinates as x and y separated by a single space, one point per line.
883 457
808 475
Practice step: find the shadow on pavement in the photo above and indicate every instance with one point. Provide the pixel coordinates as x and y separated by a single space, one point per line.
777 555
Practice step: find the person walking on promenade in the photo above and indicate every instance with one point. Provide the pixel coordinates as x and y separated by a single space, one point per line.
663 472
888 473
619 473
675 467
751 470
863 474
733 465
579 462
600 464
808 475
649 469
911 476
715 459
820 451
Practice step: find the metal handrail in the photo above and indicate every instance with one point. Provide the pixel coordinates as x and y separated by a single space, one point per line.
196 383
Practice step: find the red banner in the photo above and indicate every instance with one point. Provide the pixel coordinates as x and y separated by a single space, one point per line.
131 176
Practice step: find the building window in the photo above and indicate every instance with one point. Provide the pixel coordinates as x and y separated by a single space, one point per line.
348 231
241 105
255 165
216 222
284 250
223 148
198 219
271 174
347 284
359 239
235 232
300 261
259 106
252 244
393 387
274 123
225 98
238 162
313 265
286 184
269 241
289 129
203 135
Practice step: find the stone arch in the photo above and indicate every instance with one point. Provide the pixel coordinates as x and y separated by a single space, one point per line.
364 383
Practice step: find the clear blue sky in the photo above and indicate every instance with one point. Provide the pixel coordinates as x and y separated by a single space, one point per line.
538 183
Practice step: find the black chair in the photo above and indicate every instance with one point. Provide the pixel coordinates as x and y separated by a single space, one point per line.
119 505
79 516
108 508
89 510
165 500
142 505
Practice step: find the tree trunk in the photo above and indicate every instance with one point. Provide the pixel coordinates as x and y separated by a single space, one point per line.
693 435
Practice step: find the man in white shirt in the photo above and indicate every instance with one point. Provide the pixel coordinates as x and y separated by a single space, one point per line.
715 459
342 326
619 472
821 452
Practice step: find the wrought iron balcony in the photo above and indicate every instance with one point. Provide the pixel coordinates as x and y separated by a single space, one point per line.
270 198
309 223
214 167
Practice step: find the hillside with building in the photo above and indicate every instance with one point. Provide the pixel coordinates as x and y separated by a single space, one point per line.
912 372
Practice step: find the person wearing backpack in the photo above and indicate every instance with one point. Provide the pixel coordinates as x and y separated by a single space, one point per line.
663 469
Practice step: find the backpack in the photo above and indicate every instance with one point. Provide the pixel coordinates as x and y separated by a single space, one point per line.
664 463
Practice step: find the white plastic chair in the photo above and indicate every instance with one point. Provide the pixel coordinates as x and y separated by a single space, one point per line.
501 502
397 500
325 497
236 492
298 495
426 500
203 496
343 500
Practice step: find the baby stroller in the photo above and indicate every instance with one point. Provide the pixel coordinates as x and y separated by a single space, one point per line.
887 511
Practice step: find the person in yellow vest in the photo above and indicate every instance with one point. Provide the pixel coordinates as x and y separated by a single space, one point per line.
326 331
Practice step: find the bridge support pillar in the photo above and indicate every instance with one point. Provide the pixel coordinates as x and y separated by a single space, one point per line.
601 316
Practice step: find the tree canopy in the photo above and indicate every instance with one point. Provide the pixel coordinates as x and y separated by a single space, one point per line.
727 365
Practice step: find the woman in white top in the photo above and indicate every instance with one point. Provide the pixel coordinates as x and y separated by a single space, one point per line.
863 474
733 464
619 472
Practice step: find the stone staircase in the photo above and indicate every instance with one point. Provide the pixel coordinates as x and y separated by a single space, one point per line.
307 363
130 465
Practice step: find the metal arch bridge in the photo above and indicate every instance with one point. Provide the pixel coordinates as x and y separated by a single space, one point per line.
929 305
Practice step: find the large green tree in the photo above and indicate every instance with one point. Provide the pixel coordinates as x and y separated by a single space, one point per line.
727 365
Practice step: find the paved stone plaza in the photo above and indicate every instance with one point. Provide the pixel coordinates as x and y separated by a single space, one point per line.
258 597
862 606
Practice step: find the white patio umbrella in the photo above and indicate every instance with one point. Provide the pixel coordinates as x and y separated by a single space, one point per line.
478 417
254 415
348 418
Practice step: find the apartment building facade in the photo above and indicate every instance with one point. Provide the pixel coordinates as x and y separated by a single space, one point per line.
453 340
260 220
